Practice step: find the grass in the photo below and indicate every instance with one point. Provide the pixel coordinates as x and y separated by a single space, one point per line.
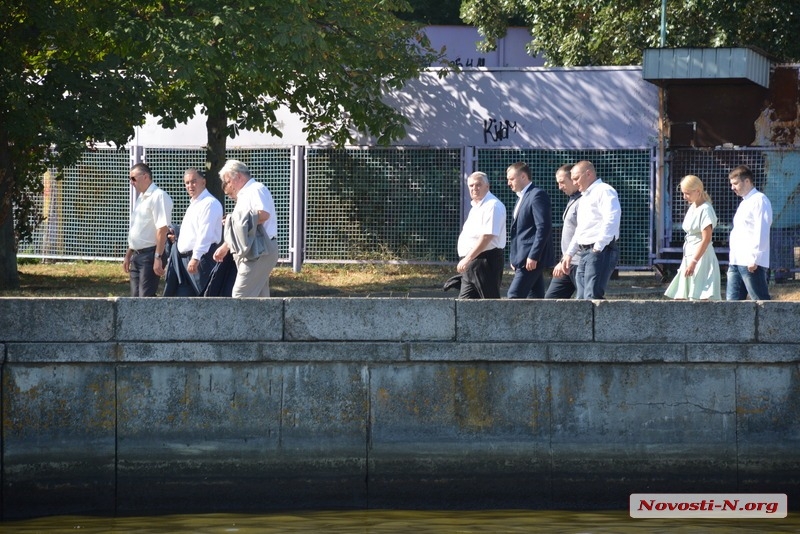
106 279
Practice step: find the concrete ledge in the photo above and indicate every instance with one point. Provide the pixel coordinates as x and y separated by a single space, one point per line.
62 352
190 319
616 352
669 321
777 322
367 319
471 352
336 351
63 320
523 320
755 353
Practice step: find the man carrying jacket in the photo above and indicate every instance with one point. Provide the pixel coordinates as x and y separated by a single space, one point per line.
250 231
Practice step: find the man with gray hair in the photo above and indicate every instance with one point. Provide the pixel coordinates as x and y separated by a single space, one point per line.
481 243
250 231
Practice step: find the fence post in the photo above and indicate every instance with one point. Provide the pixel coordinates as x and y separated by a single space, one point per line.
297 207
469 164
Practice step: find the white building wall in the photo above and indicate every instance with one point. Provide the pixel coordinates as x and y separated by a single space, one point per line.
518 106
461 47
608 107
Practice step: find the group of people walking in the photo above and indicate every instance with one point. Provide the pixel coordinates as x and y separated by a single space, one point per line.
207 257
590 239
698 277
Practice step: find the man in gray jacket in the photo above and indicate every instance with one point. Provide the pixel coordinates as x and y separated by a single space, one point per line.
562 285
250 231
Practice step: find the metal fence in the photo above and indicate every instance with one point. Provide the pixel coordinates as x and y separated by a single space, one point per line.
339 205
628 171
86 209
777 175
383 204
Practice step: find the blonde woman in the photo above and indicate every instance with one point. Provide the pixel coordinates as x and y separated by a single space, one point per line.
698 277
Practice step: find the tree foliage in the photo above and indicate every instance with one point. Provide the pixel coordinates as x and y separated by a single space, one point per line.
63 86
330 63
442 12
614 32
76 71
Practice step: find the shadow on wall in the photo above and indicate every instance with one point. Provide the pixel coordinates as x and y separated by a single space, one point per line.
535 107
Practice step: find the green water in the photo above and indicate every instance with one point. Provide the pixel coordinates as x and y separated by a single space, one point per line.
392 522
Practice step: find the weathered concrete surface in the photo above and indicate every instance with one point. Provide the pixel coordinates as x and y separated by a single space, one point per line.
36 320
58 438
524 320
178 320
633 321
255 433
260 404
366 319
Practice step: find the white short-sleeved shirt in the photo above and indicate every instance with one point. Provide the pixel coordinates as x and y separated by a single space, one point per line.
487 216
152 210
255 196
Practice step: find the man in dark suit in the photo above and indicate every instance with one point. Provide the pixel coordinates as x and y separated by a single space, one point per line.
531 235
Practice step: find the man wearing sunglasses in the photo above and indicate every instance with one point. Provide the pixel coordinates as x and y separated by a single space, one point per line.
147 233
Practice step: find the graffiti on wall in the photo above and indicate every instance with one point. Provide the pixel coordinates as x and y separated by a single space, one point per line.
469 62
497 130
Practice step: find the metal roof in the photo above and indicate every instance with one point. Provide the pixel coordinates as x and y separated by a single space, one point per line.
661 65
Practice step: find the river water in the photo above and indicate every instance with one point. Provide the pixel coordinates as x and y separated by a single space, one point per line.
401 522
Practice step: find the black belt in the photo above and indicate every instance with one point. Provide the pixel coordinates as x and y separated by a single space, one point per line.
491 252
144 250
590 246
185 254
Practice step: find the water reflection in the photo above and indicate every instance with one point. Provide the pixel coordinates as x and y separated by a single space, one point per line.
400 522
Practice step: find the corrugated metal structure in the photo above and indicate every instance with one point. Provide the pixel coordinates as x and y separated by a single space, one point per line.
661 65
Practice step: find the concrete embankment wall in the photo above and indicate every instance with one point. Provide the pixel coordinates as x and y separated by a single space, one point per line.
130 406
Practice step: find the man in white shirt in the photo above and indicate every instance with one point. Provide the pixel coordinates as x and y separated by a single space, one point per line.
147 234
481 242
596 235
254 205
198 237
749 240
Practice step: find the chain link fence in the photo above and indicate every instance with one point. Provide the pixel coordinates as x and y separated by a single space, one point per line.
85 209
407 204
383 204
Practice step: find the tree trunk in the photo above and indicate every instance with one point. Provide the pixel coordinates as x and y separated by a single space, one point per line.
9 277
216 127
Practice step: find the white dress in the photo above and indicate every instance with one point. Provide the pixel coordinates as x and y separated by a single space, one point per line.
704 284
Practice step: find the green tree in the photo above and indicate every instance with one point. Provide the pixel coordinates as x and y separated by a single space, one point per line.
62 86
239 61
606 32
78 71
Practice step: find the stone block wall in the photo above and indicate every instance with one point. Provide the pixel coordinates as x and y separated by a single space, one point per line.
130 406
